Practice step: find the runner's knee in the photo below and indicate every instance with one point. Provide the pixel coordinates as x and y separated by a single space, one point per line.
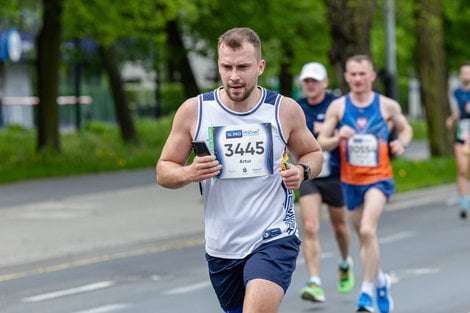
367 233
340 228
311 229
462 172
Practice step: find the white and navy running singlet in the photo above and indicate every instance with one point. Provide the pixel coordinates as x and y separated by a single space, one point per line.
248 204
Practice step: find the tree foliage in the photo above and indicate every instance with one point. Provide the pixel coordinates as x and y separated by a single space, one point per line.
456 22
431 64
8 13
106 22
292 33
350 26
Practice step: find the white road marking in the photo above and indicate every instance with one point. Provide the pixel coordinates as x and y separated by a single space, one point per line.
207 283
397 237
106 308
452 202
324 255
67 292
189 288
397 276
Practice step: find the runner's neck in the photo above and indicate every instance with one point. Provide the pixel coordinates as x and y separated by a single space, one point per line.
362 99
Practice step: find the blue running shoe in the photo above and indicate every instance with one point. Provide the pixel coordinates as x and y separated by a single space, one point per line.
384 299
364 304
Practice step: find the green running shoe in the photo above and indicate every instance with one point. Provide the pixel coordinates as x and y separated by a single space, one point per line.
346 279
312 292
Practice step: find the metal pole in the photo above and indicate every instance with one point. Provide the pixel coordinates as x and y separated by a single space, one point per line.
158 91
77 82
390 50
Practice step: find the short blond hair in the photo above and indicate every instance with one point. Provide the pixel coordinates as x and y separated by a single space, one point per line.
360 58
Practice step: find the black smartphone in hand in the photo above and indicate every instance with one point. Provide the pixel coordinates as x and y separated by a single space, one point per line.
200 148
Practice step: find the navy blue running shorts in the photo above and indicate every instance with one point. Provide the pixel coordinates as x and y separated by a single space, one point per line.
274 261
354 194
328 188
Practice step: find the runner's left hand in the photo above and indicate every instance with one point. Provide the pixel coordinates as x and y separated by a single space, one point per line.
293 176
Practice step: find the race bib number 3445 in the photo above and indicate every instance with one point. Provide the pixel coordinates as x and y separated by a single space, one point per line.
244 150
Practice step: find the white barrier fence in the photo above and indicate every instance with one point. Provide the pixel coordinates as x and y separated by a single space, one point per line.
19 110
62 100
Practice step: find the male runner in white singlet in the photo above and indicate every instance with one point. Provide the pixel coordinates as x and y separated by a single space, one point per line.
250 229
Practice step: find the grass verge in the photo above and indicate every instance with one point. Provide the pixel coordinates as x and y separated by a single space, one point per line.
97 147
410 175
419 129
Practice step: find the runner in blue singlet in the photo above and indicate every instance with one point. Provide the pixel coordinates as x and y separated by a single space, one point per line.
461 119
364 118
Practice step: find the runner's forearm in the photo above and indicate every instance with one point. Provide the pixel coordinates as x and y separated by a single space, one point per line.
172 175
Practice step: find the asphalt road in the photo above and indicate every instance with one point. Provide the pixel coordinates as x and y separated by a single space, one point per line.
118 243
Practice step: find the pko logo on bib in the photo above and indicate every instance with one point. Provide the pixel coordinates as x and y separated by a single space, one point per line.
234 134
241 133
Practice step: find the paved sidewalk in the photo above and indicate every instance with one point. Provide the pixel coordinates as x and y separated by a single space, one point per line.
64 217
417 150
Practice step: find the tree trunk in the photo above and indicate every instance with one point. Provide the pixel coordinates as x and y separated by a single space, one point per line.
432 73
121 104
285 75
350 27
48 56
179 58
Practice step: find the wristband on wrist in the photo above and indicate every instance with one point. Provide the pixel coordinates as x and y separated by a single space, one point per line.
307 171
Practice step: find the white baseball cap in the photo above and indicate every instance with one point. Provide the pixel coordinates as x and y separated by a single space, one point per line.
313 70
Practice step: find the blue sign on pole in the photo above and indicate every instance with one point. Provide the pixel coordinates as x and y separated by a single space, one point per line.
10 45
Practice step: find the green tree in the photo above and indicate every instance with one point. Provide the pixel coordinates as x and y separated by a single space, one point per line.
121 103
350 28
456 22
8 12
179 58
47 65
292 33
48 52
431 63
299 28
107 21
